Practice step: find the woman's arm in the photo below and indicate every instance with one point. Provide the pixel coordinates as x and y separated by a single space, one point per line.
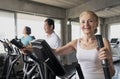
68 48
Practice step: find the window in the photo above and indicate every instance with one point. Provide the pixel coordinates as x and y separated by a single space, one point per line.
115 34
7 30
114 31
58 27
75 30
36 23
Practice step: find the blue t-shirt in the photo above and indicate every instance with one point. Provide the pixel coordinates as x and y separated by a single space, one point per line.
26 40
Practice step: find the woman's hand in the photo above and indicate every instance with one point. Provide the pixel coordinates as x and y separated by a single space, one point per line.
104 54
26 50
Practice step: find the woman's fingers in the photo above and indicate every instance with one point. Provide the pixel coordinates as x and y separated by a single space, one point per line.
103 54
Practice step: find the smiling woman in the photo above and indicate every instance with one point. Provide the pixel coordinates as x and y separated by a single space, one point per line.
88 23
86 48
77 32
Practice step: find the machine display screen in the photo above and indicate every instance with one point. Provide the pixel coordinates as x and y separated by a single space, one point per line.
114 40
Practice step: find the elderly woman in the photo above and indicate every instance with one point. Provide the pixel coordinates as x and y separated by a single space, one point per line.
87 52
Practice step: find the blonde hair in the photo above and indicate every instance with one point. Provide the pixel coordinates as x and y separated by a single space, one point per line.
91 13
95 17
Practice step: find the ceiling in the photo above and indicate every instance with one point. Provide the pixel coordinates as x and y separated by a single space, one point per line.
62 3
67 4
109 12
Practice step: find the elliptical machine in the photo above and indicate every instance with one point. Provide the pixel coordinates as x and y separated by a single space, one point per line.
43 54
31 69
12 56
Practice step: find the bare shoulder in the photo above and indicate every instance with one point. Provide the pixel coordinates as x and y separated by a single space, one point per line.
73 43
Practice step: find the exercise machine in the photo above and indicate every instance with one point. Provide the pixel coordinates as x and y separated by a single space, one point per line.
105 62
12 56
43 54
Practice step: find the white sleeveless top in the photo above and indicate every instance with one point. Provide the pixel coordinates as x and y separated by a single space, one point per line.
89 62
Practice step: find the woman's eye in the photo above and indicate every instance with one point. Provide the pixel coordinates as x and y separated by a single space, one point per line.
83 21
91 21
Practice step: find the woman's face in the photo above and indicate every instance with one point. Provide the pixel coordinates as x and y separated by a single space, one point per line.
88 23
24 31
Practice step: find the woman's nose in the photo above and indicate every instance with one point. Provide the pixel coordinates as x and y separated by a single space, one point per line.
86 23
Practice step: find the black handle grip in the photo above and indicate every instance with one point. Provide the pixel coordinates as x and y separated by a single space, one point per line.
100 45
17 44
105 63
1 41
100 41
